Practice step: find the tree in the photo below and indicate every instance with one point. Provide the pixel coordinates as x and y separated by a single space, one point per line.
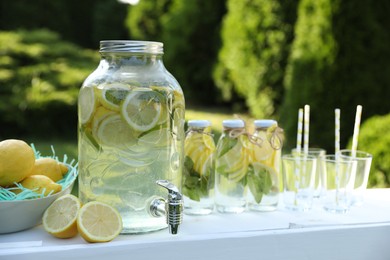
252 60
191 37
339 59
189 30
144 19
82 22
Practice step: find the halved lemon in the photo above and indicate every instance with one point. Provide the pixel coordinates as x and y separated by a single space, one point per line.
99 222
86 103
141 109
60 217
113 95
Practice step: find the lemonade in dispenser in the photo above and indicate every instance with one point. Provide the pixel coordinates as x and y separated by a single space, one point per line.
131 133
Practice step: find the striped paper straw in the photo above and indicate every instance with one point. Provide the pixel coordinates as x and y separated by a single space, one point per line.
306 130
356 130
299 131
299 148
337 149
337 130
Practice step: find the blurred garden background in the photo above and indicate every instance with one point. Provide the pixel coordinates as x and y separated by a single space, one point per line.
254 58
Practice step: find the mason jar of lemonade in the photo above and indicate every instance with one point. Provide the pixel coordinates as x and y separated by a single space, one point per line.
198 172
263 178
131 132
231 167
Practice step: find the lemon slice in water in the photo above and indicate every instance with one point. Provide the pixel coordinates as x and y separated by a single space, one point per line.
141 109
100 114
113 131
86 103
113 95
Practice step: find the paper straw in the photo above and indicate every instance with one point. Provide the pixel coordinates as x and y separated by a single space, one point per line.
356 130
337 130
299 132
337 149
306 130
298 148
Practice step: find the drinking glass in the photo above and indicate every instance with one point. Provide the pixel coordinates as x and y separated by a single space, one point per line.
298 178
338 180
363 161
316 152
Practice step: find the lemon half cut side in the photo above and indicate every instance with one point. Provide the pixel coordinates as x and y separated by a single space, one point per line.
60 218
99 222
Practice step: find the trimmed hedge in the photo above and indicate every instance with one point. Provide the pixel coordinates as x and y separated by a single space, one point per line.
256 37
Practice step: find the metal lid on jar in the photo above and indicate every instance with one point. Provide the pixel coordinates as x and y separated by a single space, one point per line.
199 123
233 123
131 46
264 123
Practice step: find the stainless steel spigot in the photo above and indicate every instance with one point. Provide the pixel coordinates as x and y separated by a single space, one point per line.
171 208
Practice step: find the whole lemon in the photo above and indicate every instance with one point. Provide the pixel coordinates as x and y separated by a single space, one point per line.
40 182
16 161
48 167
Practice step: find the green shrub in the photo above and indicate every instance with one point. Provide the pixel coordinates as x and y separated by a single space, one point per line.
374 138
252 60
339 59
40 76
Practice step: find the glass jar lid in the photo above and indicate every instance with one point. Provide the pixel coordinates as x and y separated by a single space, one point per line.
265 123
131 46
199 123
233 123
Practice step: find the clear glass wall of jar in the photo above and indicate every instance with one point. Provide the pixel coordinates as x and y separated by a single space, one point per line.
131 131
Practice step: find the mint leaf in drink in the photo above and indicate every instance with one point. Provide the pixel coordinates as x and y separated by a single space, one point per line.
226 145
259 180
195 186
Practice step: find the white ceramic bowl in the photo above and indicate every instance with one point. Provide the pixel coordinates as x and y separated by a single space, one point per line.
18 215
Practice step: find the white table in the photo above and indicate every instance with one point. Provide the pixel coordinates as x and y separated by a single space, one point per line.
363 233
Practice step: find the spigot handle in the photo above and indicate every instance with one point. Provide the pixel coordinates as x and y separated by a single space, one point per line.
172 189
173 206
